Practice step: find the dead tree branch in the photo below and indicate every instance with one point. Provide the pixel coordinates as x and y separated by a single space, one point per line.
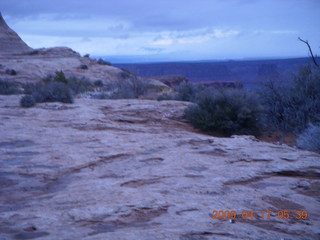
310 50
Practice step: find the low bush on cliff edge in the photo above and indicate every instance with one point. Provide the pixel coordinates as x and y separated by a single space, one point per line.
225 111
188 92
292 106
310 138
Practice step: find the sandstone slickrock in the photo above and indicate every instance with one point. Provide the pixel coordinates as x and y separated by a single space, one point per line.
10 42
133 169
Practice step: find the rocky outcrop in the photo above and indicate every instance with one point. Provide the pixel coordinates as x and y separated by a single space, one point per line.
133 169
10 42
172 80
32 65
54 52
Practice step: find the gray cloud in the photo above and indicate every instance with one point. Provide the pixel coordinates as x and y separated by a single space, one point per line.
193 26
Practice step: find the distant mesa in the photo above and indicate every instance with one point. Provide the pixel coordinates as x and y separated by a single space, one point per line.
10 42
222 84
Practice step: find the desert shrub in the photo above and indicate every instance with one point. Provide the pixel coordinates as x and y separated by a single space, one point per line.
54 92
124 74
27 101
188 92
11 72
98 83
132 87
30 88
305 98
34 52
103 62
276 106
290 107
310 138
83 66
8 87
225 111
165 96
59 77
75 84
79 85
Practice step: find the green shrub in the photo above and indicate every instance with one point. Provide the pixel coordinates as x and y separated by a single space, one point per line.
8 87
310 138
227 112
54 92
27 101
59 77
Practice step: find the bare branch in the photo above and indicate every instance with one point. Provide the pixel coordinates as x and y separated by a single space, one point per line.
310 50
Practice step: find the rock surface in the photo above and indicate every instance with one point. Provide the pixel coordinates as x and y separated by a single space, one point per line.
133 169
10 42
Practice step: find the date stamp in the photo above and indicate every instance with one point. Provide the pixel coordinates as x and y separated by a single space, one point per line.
245 214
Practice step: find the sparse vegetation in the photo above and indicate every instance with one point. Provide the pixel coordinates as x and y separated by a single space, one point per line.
188 92
57 88
83 66
124 74
8 87
54 92
225 111
27 101
11 72
103 62
75 84
291 107
310 138
166 96
98 83
132 87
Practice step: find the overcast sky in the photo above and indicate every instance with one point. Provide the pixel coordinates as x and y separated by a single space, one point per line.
169 29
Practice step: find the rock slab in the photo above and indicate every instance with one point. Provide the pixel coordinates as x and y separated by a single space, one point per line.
134 169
